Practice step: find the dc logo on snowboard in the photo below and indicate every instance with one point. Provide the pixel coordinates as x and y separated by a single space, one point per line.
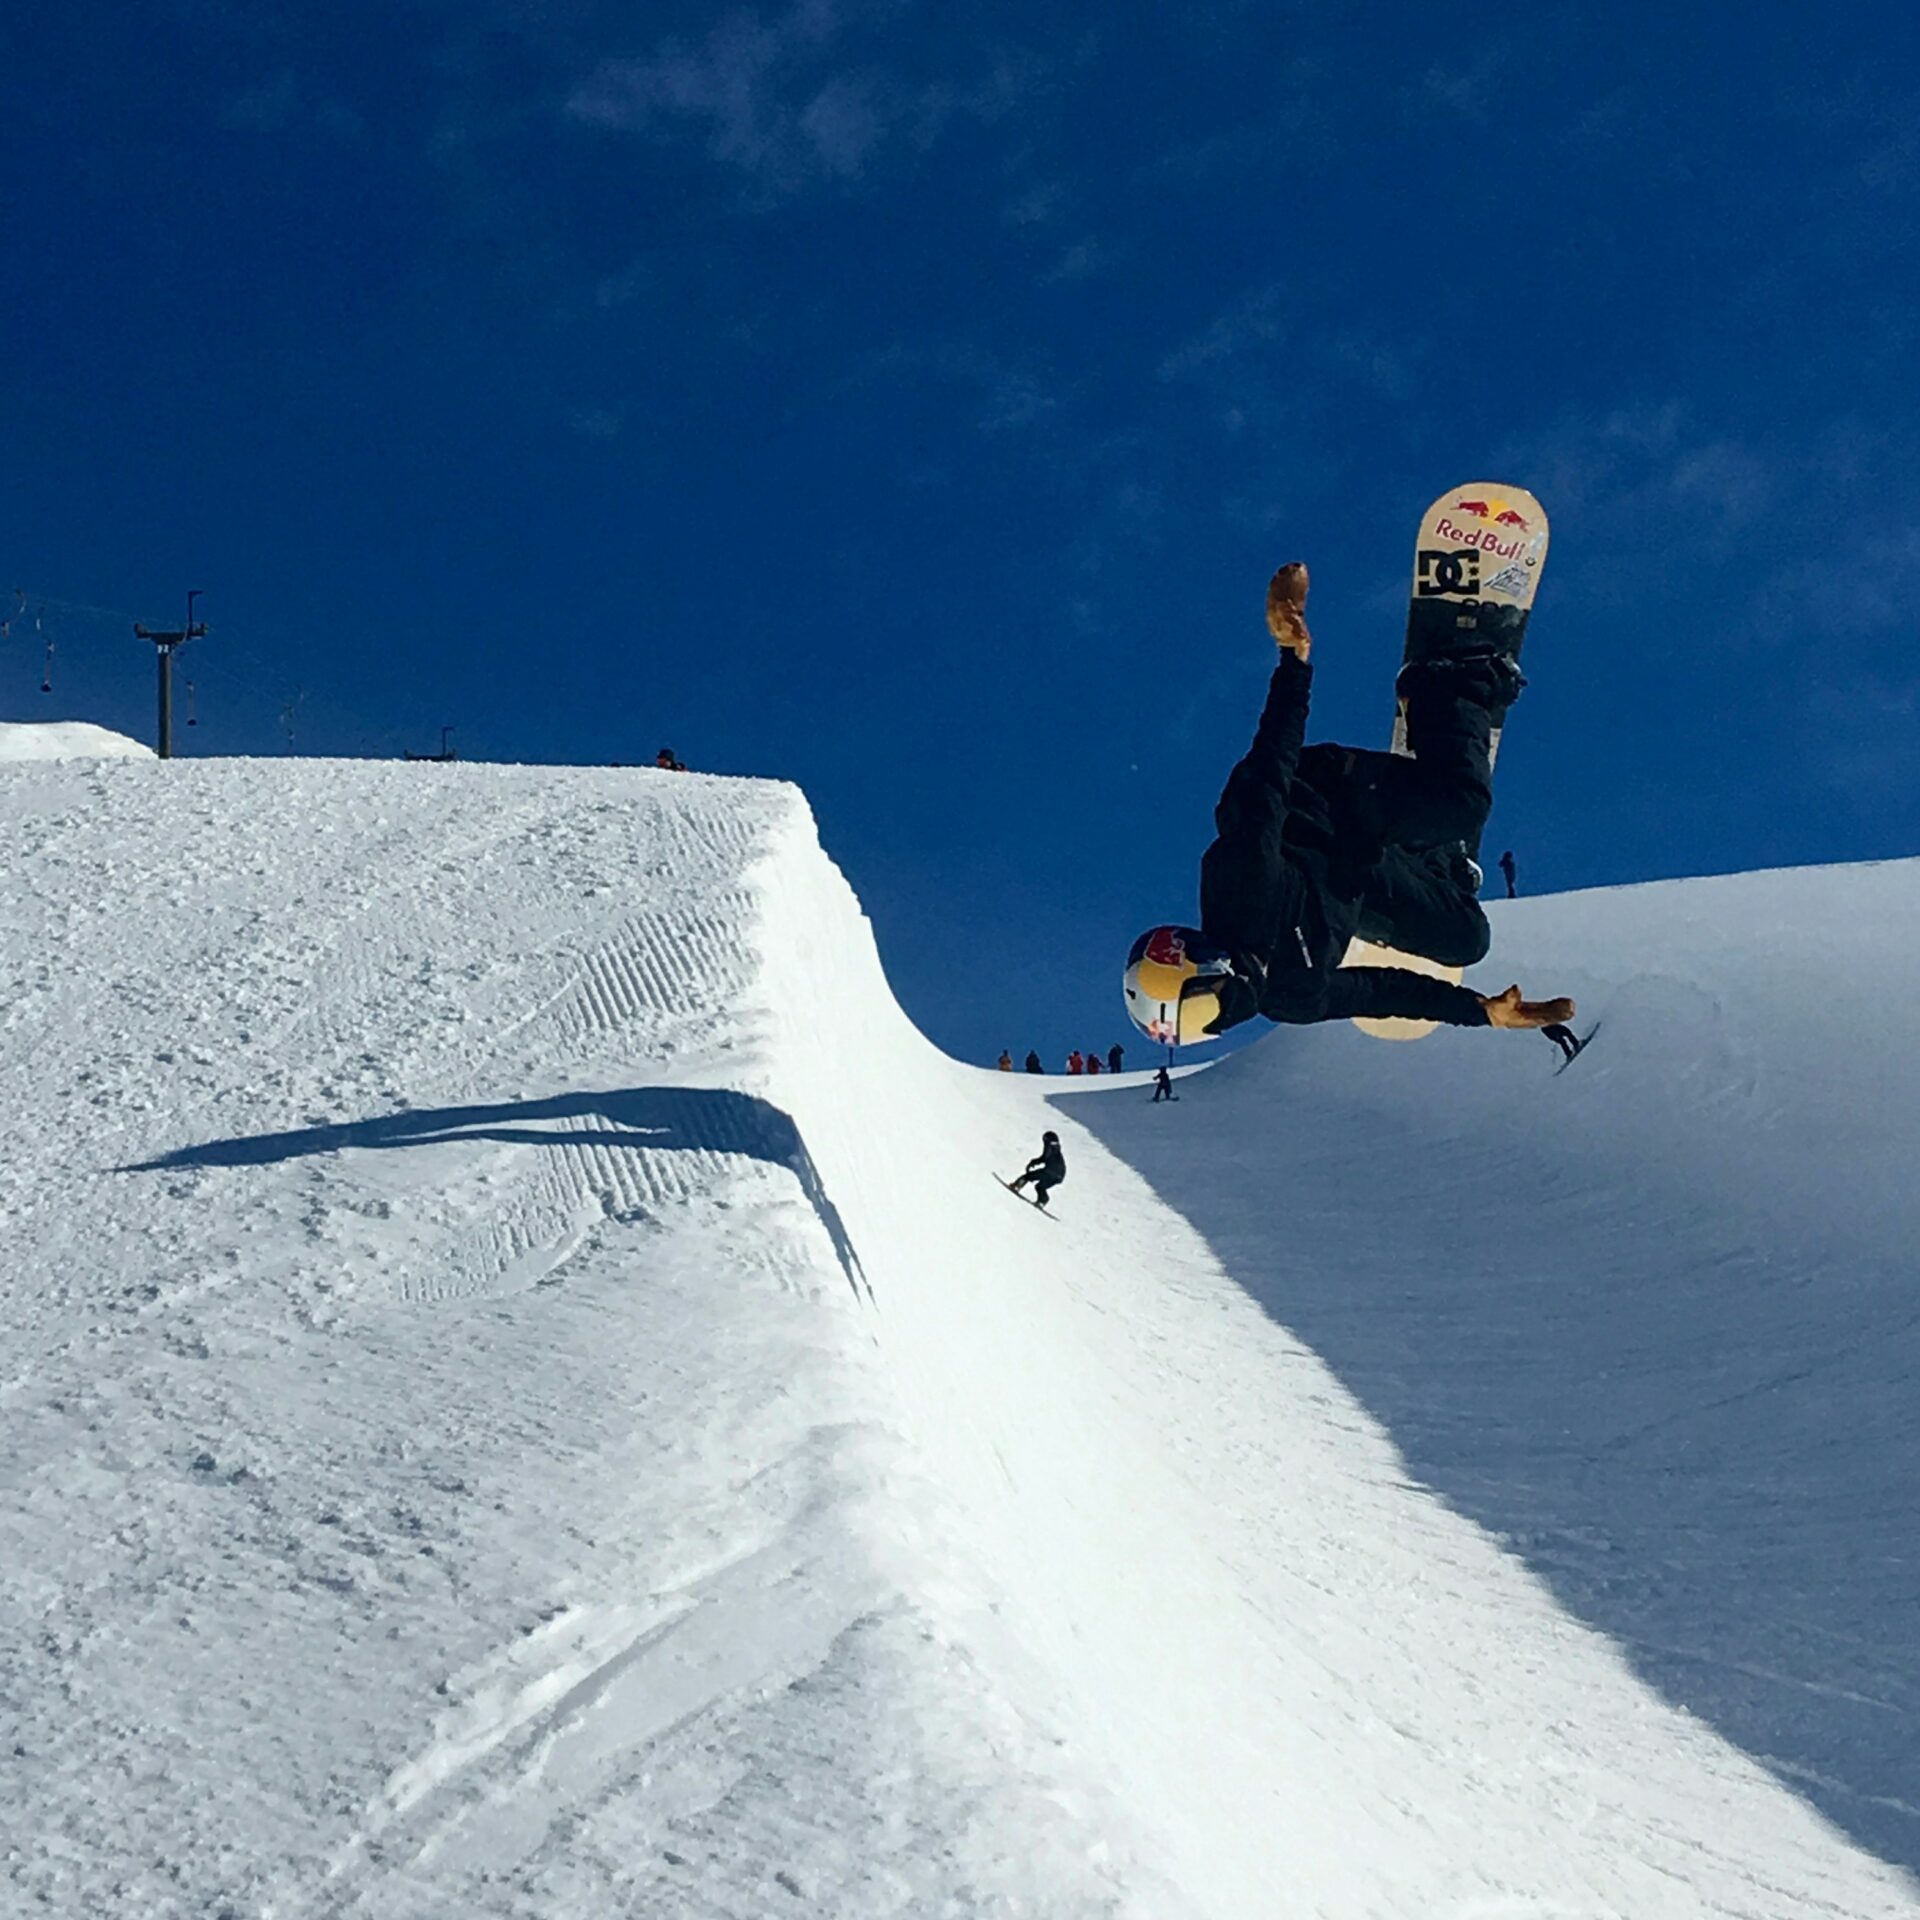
1448 570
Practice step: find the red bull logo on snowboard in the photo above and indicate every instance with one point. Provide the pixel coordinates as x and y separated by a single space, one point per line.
1484 538
1496 511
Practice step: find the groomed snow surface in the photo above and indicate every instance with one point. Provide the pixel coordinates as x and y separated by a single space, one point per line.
67 740
520 1397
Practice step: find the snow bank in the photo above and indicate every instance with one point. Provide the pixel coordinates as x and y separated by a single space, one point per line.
524 1398
67 740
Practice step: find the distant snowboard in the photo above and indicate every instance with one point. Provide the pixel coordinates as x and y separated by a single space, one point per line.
1476 568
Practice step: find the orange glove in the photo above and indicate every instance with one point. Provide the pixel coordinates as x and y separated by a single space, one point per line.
1287 609
1509 1010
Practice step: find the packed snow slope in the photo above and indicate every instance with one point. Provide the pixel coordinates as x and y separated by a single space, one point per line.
520 1397
67 740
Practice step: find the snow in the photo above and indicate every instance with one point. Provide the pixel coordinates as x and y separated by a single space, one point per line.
522 1397
67 740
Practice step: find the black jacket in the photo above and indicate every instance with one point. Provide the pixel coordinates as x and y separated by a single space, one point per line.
1048 1167
1283 885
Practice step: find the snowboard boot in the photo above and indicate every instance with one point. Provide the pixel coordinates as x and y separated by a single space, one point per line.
1491 679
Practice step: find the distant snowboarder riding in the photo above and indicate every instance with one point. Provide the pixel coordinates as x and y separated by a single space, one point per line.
1564 1038
1044 1171
1319 843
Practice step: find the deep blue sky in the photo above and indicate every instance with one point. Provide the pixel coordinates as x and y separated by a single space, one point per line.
912 402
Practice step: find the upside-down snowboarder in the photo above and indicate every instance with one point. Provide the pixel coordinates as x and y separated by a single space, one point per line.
1044 1171
1319 843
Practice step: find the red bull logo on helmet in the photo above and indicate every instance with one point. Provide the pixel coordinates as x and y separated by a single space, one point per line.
1167 946
1172 983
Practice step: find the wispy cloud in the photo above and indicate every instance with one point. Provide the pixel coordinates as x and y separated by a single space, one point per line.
284 101
783 103
1076 263
1797 536
1036 205
1866 586
1253 321
1468 84
1008 396
595 423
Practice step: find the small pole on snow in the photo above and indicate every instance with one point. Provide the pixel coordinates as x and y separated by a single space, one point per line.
166 641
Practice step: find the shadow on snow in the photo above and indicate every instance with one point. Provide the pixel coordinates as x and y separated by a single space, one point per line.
659 1119
1691 1421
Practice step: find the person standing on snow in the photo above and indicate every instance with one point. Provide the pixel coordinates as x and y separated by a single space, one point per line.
1044 1171
1074 1063
1033 1062
1115 1054
1162 1086
1317 844
1005 1061
1092 1061
1509 873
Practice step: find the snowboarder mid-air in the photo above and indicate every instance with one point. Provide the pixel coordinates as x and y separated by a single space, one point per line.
1044 1171
1318 844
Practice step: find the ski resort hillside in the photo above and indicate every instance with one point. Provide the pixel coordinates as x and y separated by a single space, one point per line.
522 1398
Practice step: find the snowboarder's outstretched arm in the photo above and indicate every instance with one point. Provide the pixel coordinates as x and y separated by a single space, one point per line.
1255 799
1245 884
1256 795
1397 993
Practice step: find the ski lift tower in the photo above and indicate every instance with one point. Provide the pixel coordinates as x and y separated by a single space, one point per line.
166 642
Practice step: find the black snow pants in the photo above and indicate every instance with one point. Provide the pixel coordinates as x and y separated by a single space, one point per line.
1418 817
1316 844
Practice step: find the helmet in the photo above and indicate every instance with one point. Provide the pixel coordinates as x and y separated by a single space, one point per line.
1175 984
1049 1139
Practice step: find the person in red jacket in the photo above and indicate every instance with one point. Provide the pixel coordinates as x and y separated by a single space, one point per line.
1074 1063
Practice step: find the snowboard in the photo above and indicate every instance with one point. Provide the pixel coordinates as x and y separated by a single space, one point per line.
1045 1212
1476 568
1585 1039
